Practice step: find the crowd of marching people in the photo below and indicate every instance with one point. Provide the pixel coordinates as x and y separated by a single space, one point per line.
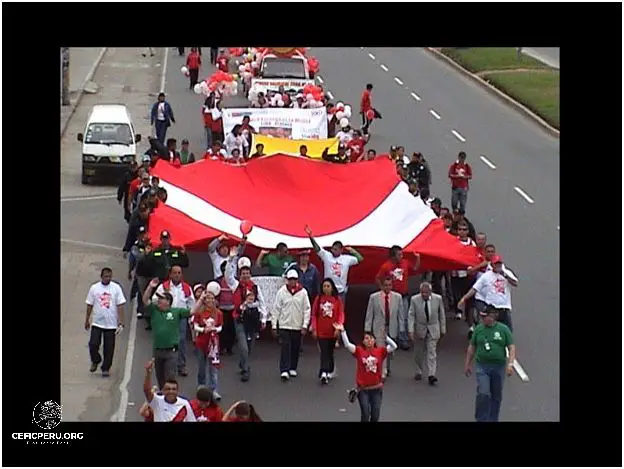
229 312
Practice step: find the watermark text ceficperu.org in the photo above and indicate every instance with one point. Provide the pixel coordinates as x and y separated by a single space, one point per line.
54 438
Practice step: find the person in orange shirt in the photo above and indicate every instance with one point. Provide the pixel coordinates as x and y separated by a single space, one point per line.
398 268
365 106
193 62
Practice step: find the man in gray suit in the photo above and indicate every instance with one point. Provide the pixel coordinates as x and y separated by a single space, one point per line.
382 316
426 324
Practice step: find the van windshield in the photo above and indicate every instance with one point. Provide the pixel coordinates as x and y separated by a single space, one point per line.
283 68
109 134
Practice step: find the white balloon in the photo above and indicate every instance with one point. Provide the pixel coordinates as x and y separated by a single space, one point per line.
255 65
312 103
309 97
347 110
244 262
214 288
241 68
320 104
340 115
347 114
197 88
339 103
280 103
344 122
184 70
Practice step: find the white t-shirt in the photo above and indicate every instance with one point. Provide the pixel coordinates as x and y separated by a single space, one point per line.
165 412
337 268
344 137
161 112
494 290
468 242
105 299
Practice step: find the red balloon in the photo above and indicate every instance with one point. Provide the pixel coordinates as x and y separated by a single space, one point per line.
370 114
246 226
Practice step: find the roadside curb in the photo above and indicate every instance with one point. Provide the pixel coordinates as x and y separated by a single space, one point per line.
89 77
495 91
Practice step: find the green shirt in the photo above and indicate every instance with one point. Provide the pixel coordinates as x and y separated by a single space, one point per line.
490 343
277 265
166 325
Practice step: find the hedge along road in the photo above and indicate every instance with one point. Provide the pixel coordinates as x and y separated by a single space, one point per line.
404 399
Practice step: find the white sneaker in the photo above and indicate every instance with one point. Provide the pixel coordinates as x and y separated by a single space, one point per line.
458 316
324 378
284 376
292 373
331 375
217 396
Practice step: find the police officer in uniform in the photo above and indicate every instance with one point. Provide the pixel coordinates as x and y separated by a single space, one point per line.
137 254
418 171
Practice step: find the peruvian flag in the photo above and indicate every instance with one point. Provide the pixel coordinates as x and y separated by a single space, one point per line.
364 205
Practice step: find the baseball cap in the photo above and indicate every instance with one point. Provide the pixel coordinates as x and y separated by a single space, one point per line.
496 260
292 274
165 296
165 234
146 158
437 201
197 287
185 141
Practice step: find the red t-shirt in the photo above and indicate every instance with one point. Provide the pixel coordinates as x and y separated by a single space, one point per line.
365 103
211 413
193 61
399 272
222 63
457 167
134 186
369 365
357 148
202 341
326 311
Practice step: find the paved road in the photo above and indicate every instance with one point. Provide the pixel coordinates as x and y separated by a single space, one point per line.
524 156
87 216
548 55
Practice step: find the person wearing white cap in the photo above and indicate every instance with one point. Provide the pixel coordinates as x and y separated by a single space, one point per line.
291 315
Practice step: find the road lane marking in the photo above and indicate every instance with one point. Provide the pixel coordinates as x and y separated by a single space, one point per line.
398 80
120 415
371 56
488 162
88 197
524 195
320 79
163 78
384 68
415 96
90 245
331 96
458 135
434 114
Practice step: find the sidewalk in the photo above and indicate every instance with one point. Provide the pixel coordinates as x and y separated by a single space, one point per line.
547 55
82 64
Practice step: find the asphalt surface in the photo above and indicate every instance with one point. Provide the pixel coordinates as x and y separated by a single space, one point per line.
549 55
526 234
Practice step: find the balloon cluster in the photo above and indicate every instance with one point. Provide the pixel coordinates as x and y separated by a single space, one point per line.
313 95
249 66
313 65
223 83
343 114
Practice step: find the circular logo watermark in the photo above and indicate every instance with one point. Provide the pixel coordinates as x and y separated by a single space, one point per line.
47 415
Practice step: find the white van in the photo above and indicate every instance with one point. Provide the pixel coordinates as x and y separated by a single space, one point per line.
109 143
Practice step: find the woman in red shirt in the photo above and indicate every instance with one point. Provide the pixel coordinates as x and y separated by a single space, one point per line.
327 310
369 367
206 407
207 323
241 411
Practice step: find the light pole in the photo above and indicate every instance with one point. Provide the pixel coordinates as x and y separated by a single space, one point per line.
65 76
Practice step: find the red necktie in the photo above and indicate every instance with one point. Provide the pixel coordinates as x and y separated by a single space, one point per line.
387 306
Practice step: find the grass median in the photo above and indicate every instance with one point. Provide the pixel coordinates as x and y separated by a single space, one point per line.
527 80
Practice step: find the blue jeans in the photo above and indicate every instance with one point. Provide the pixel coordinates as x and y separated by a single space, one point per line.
490 379
459 198
208 137
203 362
161 130
244 345
370 404
182 349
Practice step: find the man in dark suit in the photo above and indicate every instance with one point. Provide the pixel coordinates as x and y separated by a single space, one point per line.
426 324
161 117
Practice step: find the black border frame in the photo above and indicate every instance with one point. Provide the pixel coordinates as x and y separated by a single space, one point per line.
591 86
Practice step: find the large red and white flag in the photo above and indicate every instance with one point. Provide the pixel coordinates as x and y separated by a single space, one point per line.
364 205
